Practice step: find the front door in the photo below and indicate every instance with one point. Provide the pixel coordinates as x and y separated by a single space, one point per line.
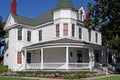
79 55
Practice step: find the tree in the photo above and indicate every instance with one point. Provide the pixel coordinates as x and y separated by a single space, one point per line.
2 33
105 14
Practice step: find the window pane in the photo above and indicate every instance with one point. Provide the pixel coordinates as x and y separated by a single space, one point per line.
81 15
28 35
80 33
73 30
28 57
40 35
19 34
96 37
57 30
65 29
89 32
19 58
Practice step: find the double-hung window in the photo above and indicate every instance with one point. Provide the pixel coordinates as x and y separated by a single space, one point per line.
28 57
73 30
20 34
19 57
28 35
40 35
57 30
80 33
96 35
89 33
65 29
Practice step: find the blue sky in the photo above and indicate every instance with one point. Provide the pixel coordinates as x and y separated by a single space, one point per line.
34 8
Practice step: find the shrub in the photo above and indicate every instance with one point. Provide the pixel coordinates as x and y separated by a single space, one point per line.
104 65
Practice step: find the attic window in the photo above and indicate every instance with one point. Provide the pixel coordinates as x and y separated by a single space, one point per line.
81 15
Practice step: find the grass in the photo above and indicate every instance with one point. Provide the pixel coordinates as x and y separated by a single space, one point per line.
110 78
11 78
3 68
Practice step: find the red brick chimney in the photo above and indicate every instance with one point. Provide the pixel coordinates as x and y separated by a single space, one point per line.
87 16
13 7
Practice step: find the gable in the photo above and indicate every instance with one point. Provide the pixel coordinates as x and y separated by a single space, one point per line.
9 22
81 10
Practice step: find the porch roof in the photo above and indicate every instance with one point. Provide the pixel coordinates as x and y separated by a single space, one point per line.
65 41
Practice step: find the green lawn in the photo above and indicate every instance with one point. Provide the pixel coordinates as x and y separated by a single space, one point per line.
110 78
10 78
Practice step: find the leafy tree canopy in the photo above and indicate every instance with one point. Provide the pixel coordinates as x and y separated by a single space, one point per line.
2 33
105 14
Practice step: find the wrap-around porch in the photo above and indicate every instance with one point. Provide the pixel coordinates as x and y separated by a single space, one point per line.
63 54
65 57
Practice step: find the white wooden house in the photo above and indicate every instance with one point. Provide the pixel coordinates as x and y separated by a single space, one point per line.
56 40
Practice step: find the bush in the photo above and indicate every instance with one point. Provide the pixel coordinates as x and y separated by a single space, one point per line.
56 74
104 65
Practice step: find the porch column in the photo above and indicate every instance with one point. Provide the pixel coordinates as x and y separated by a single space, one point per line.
102 57
67 58
25 57
114 58
41 58
91 58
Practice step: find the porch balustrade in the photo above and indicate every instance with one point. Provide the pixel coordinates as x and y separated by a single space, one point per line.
33 66
79 66
58 66
54 65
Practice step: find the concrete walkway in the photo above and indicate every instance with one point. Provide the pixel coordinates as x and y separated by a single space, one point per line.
92 78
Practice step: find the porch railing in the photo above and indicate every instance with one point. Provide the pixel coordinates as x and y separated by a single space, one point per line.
79 66
54 65
33 66
58 66
110 67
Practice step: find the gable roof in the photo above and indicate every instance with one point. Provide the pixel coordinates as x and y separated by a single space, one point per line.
46 17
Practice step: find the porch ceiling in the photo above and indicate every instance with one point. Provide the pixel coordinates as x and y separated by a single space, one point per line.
59 42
